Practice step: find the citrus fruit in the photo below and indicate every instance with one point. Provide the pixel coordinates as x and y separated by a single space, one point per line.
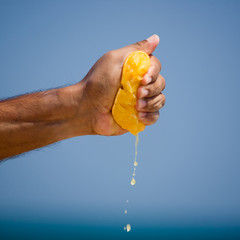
124 113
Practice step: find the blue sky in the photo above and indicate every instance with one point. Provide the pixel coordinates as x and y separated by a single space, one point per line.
189 168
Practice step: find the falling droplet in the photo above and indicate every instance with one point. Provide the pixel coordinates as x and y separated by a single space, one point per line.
128 228
125 211
126 201
135 163
133 182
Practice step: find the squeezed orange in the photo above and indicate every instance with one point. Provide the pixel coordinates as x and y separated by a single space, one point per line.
124 113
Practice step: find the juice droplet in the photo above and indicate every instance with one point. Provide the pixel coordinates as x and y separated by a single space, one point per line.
133 182
134 174
126 201
125 211
135 163
128 228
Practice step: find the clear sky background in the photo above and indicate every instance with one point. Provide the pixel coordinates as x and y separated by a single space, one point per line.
189 162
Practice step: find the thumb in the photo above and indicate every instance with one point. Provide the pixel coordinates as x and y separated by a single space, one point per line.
147 45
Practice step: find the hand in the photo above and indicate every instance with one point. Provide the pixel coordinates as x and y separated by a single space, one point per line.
103 80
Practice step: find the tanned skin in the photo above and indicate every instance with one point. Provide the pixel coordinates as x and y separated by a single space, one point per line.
35 120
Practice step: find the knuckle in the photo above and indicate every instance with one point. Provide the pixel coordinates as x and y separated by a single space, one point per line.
141 43
164 98
155 103
154 89
160 66
155 116
153 68
151 118
150 103
164 83
155 60
159 105
157 63
110 55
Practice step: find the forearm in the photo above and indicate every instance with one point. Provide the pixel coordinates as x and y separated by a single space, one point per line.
35 120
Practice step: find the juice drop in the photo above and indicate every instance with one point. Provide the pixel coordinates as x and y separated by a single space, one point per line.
125 211
133 182
128 228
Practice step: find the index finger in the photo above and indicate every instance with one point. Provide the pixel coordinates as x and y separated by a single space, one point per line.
153 72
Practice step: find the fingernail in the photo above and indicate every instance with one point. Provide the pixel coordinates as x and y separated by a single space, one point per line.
152 38
148 80
142 115
141 103
144 92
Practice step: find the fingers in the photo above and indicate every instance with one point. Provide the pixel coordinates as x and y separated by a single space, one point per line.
153 83
150 97
151 104
152 89
153 71
148 108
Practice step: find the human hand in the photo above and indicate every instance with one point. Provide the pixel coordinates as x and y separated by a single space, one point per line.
103 80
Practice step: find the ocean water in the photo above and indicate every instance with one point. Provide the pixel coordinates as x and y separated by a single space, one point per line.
49 230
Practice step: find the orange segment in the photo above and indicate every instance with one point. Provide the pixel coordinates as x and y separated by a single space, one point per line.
124 113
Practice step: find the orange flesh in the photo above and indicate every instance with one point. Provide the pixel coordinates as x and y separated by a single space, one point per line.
124 113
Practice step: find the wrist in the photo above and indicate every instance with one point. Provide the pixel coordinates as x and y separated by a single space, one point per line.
76 109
